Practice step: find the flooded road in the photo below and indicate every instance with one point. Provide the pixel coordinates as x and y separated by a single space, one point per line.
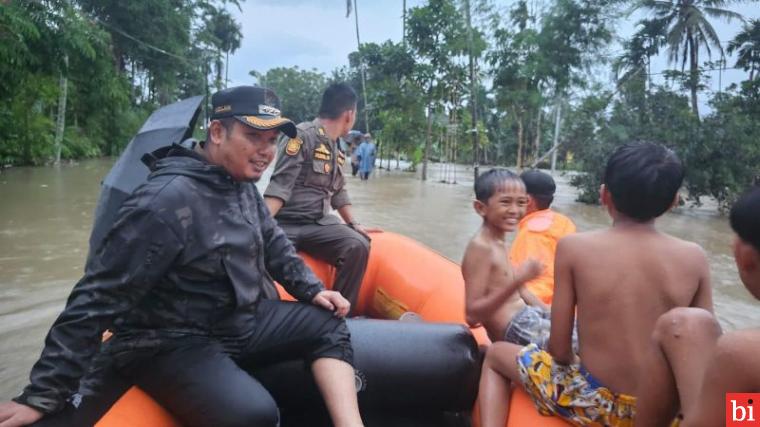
46 216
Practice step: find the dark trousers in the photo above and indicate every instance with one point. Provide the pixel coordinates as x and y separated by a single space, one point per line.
354 168
340 246
208 384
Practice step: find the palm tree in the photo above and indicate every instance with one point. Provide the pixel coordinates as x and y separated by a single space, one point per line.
747 45
362 71
228 36
688 30
636 60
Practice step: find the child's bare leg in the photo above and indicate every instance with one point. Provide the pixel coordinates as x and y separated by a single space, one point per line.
335 379
684 340
499 370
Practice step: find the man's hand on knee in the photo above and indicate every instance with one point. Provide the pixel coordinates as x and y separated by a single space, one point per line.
364 231
333 301
14 414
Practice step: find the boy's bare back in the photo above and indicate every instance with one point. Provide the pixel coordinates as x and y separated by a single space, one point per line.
622 279
487 270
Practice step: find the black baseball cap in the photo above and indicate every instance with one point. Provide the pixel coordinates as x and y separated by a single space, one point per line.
254 106
538 183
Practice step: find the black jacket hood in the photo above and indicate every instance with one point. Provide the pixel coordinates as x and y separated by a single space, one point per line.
178 160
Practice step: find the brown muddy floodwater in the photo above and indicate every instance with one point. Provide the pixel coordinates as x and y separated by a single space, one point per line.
46 215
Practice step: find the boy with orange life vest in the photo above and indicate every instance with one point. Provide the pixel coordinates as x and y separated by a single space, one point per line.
495 292
539 231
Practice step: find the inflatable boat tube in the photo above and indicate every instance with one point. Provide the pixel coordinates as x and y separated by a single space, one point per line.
404 367
399 365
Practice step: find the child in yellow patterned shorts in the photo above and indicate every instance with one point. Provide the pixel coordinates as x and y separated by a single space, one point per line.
571 392
619 281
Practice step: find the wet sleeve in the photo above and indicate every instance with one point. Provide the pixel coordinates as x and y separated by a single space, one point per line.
135 254
340 198
282 261
290 158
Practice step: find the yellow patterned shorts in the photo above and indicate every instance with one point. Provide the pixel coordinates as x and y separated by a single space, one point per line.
569 391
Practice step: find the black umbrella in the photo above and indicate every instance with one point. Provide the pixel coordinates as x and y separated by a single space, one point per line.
168 125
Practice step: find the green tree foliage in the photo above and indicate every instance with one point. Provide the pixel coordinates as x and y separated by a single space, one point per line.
584 137
633 67
438 38
51 44
688 30
540 56
640 111
87 73
300 91
725 157
517 73
572 34
747 46
396 97
222 34
721 155
148 38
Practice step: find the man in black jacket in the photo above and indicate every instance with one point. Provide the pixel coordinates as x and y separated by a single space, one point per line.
181 279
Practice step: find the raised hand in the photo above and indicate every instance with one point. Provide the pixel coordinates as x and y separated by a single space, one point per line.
529 270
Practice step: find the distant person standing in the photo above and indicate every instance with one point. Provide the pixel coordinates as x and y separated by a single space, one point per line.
308 182
367 152
355 156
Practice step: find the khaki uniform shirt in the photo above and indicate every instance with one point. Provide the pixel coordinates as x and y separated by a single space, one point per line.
308 176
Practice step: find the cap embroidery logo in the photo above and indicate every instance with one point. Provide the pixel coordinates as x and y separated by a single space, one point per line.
223 108
264 123
267 109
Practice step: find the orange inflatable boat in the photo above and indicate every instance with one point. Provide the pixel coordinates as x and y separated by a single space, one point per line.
403 276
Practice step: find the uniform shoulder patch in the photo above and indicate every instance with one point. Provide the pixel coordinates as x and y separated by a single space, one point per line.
293 147
323 149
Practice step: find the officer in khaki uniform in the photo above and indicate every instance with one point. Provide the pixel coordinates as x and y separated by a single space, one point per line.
308 182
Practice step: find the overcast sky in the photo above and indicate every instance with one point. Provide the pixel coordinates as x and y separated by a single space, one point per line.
316 34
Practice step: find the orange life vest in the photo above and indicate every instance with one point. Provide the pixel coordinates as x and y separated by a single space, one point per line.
537 237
